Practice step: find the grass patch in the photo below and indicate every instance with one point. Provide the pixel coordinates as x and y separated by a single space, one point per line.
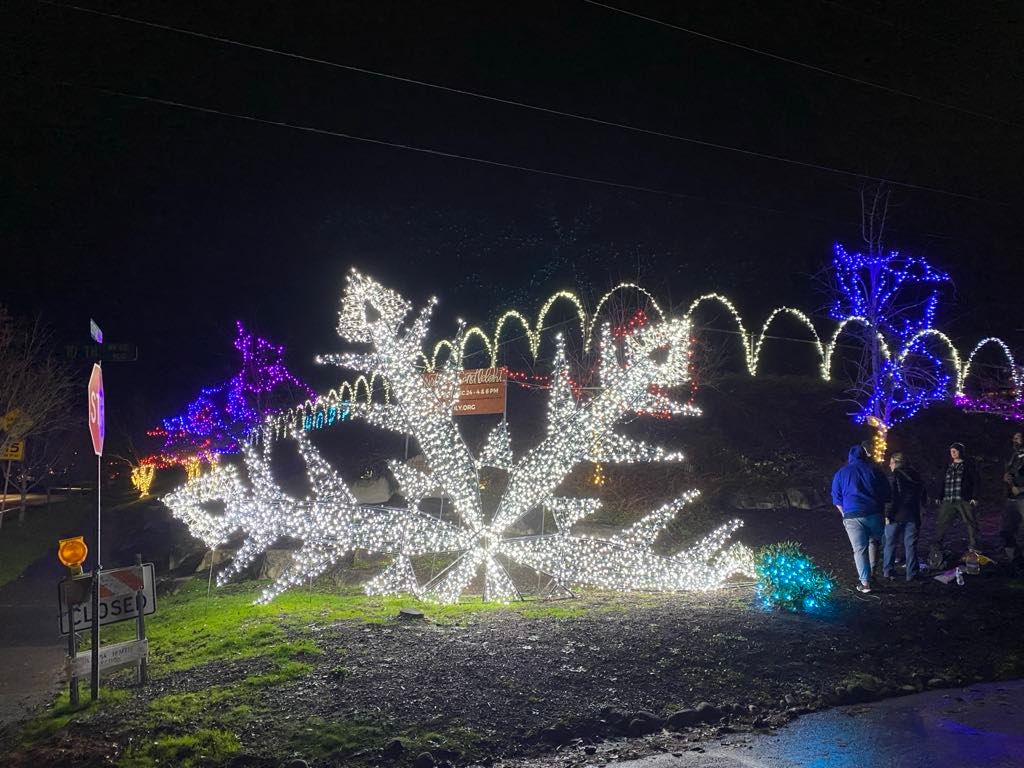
335 738
22 545
63 713
204 747
181 709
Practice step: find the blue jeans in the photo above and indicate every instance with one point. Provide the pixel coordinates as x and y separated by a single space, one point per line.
893 533
862 532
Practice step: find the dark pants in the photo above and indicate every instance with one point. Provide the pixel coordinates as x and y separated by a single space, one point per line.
948 511
894 532
1013 515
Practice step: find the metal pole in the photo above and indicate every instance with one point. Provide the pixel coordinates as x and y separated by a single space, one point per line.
96 577
209 582
3 504
72 652
140 623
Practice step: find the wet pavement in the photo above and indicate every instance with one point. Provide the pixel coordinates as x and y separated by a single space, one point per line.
982 725
32 650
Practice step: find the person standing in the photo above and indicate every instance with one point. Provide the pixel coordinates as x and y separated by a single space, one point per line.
1013 512
959 497
903 519
860 491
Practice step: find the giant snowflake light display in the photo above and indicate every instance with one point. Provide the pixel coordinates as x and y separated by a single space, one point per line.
330 522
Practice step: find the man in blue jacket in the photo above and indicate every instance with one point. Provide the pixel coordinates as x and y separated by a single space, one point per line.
860 491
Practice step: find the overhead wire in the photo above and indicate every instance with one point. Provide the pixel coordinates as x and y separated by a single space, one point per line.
528 106
442 153
805 65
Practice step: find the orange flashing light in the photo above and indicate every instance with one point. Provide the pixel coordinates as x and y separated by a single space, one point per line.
72 552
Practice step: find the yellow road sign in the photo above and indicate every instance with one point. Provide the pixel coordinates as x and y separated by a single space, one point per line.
14 452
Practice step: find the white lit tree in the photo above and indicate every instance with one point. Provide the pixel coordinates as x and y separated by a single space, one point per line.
330 522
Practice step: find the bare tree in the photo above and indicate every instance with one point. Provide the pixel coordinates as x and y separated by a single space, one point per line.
36 388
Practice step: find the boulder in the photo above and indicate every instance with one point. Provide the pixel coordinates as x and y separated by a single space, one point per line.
274 562
642 723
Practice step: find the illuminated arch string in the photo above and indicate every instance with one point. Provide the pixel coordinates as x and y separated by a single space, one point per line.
359 393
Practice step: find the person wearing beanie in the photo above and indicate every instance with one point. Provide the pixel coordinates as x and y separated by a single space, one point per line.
860 491
1013 513
958 497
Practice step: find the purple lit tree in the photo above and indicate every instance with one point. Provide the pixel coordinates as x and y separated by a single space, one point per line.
889 302
223 416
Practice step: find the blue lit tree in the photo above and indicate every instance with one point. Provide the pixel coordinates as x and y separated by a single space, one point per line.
889 302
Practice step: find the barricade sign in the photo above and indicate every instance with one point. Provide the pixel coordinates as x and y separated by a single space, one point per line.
118 588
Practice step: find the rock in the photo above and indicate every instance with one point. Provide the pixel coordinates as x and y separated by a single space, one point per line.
373 490
590 749
789 699
247 761
616 718
410 614
295 762
556 735
752 708
708 713
937 682
393 749
216 557
643 723
274 562
423 760
684 718
766 500
854 694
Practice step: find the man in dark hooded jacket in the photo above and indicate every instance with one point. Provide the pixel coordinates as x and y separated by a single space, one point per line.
860 491
903 518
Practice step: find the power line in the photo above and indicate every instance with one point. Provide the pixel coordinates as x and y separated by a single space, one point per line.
435 152
810 67
532 107
482 161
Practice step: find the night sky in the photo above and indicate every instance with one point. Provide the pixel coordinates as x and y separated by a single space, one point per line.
167 224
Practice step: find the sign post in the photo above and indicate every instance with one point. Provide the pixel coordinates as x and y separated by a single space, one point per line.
97 432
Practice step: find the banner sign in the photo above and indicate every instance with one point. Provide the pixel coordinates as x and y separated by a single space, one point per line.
482 391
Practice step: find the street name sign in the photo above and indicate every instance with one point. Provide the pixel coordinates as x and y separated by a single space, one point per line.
111 656
117 597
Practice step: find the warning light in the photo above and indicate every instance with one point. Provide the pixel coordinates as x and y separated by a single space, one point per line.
72 552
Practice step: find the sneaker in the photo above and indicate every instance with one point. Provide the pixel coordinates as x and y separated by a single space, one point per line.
864 588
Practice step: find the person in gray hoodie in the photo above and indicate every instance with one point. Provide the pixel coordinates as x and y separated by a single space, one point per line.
860 491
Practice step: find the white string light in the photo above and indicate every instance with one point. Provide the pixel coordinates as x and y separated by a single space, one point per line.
330 522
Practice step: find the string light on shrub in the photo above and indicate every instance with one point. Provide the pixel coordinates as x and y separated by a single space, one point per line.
787 579
581 429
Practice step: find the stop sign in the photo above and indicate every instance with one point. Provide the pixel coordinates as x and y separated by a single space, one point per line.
96 428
